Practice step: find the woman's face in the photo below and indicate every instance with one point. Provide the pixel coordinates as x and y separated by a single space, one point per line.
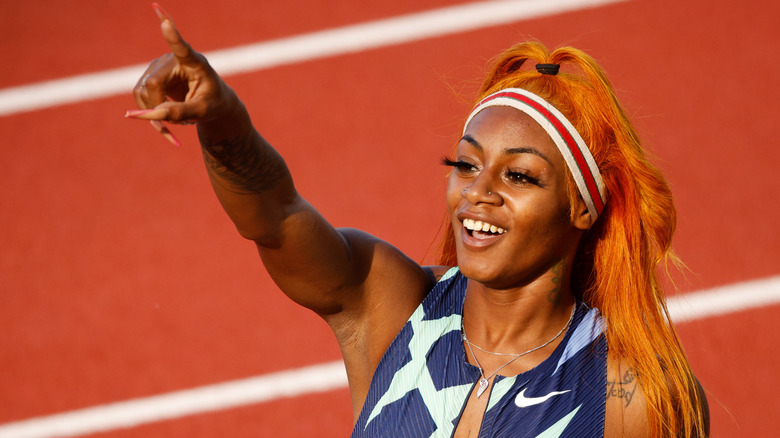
509 174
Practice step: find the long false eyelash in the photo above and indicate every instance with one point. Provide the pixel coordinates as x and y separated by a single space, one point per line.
460 164
448 162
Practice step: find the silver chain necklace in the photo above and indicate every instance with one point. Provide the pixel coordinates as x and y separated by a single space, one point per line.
484 382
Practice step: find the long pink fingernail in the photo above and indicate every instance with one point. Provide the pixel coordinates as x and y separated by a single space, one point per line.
148 114
136 113
162 129
161 12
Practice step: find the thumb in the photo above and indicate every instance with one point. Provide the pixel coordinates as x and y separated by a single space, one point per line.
183 112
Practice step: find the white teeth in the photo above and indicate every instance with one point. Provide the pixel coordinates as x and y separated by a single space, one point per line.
471 224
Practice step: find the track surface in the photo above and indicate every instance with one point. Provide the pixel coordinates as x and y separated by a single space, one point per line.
120 277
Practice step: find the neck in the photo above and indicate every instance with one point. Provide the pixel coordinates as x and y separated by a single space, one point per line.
512 320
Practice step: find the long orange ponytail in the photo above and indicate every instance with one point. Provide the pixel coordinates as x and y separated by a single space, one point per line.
615 267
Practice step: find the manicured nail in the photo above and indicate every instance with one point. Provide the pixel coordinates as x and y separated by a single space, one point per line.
162 129
161 12
148 114
136 113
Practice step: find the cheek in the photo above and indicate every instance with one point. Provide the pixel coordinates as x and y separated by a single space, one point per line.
563 214
553 227
559 215
542 215
555 207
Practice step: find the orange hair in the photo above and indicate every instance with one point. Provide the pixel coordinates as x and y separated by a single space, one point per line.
615 266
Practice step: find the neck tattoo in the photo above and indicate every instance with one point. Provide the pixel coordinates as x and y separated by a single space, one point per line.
484 382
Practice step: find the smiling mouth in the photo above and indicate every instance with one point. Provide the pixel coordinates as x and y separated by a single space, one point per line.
475 228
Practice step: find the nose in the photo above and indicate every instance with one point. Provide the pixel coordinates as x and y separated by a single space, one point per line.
481 191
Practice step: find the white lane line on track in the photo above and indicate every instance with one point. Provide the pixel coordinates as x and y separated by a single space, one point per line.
292 383
322 377
301 48
725 299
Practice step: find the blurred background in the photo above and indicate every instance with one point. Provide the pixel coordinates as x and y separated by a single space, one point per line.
121 278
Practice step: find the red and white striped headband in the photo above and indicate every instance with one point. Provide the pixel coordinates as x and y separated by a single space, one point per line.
573 148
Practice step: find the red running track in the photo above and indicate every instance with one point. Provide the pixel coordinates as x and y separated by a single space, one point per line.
122 278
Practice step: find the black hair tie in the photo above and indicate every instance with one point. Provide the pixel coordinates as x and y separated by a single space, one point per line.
548 69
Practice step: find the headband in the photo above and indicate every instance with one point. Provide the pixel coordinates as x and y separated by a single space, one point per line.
571 145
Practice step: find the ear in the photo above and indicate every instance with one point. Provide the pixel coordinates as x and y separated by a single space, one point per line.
581 218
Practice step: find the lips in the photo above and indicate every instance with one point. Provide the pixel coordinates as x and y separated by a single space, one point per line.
478 233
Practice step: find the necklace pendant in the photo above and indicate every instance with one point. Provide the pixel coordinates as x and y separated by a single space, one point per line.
483 384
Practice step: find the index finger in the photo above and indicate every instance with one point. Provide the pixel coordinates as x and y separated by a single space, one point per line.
179 47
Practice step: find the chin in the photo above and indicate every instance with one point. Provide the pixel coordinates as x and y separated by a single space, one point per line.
481 271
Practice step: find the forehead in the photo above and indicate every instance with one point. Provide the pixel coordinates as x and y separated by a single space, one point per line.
500 128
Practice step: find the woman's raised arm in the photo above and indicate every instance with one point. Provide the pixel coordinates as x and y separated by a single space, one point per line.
316 265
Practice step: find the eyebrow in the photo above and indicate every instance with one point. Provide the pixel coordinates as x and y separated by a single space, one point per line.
510 151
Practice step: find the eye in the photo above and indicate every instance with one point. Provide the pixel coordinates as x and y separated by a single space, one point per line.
521 178
459 165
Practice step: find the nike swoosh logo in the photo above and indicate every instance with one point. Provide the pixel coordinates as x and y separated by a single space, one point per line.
523 402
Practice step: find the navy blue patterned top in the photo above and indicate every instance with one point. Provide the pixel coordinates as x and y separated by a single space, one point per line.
423 381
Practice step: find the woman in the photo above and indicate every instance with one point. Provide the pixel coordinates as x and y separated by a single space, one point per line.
553 322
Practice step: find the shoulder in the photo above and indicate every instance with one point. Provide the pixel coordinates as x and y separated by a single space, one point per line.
626 405
626 412
382 262
382 254
389 280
